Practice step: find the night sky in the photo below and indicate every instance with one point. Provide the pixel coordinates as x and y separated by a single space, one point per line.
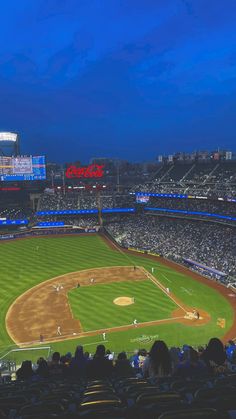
118 78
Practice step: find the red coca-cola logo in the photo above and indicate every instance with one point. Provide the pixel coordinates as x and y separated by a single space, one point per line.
91 171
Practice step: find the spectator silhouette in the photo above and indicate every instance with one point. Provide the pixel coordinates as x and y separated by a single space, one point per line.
42 370
77 367
25 372
214 356
191 365
100 366
122 366
158 363
56 369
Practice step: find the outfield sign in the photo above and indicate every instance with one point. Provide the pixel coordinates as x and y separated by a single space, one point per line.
13 222
91 171
136 250
43 231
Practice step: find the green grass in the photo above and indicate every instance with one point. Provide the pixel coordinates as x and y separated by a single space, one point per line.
150 304
23 266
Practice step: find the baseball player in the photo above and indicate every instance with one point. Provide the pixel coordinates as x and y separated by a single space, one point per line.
196 314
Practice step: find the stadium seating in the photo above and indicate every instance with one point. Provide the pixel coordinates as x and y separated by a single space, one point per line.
65 396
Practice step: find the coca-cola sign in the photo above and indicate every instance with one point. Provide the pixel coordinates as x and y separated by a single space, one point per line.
91 171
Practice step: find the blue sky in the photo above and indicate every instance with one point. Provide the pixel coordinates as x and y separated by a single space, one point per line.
118 78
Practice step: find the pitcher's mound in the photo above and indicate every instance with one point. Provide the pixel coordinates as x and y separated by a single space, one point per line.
123 301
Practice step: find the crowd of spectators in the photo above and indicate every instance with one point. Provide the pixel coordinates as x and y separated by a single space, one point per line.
202 205
214 179
82 221
213 245
160 361
16 213
83 200
179 381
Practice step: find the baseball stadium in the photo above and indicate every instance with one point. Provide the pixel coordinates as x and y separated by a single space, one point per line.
117 209
93 261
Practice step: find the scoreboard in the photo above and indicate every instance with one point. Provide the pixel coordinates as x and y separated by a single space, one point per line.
22 168
142 199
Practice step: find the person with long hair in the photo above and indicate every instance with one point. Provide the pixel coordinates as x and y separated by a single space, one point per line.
77 366
215 357
42 371
25 372
158 363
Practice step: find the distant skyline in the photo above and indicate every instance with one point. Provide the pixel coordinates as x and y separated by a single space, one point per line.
126 79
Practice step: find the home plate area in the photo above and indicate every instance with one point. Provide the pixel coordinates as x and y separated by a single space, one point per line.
192 315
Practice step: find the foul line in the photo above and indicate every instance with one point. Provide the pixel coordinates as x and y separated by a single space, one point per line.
80 335
151 277
95 343
163 289
166 277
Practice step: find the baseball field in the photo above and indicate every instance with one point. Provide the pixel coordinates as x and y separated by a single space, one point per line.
74 290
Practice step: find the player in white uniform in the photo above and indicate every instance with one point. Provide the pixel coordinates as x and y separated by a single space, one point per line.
135 322
59 330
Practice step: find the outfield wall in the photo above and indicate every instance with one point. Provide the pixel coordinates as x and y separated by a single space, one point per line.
46 232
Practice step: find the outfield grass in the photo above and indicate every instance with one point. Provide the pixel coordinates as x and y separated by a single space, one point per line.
23 266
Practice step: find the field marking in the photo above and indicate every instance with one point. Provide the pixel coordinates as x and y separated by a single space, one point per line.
163 289
131 325
169 280
123 253
186 290
95 343
81 335
175 272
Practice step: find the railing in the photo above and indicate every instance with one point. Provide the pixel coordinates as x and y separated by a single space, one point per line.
10 359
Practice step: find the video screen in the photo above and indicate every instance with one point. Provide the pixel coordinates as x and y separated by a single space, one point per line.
142 199
22 168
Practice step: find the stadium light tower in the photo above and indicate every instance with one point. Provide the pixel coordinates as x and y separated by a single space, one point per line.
9 144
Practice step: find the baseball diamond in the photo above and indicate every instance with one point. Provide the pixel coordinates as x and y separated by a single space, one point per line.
55 290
